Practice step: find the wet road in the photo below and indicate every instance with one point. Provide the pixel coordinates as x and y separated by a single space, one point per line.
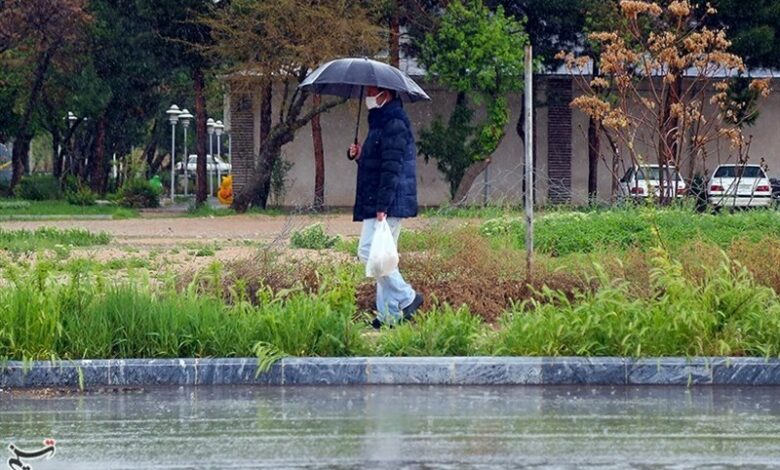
400 427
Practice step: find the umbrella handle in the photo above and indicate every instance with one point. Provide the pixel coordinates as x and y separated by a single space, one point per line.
357 124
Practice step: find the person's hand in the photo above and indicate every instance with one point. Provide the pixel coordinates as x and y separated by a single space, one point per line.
380 216
354 151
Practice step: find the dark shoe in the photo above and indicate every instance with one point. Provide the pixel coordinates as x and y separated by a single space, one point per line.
412 308
376 323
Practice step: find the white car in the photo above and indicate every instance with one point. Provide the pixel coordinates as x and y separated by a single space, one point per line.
220 165
739 186
645 180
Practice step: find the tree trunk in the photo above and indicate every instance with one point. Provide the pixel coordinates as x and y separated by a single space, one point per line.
614 167
20 151
468 180
200 132
98 161
256 193
266 117
150 150
395 37
668 129
594 151
56 157
21 154
319 159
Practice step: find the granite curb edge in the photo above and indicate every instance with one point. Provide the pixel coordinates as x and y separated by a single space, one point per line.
393 371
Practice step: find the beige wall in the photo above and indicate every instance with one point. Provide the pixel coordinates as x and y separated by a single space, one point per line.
505 172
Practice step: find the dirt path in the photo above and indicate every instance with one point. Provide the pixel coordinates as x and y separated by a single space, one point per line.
165 231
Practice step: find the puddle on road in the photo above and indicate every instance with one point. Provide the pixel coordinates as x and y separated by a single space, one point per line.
396 427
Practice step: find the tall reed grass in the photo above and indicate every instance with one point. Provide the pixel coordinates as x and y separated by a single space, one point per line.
90 316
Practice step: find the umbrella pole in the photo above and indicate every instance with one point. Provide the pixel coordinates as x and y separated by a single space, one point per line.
357 124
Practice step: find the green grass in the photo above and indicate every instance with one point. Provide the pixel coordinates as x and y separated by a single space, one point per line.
564 233
89 315
694 301
313 237
85 316
726 313
15 207
445 332
473 212
208 211
17 241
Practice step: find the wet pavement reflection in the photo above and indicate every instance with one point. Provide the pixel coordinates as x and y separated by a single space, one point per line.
398 427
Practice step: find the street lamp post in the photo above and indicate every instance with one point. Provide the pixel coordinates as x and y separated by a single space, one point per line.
72 118
185 117
210 126
218 129
173 116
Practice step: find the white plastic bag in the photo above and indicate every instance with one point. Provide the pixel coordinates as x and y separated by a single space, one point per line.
383 256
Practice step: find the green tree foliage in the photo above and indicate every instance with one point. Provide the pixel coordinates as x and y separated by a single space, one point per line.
754 29
552 25
272 46
479 54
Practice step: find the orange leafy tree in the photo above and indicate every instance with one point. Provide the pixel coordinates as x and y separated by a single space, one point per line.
670 97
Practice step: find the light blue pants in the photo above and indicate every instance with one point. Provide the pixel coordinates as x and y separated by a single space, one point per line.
393 294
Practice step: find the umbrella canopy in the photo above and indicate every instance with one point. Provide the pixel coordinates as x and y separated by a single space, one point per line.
348 77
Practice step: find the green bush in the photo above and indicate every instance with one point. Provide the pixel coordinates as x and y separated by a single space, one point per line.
444 332
38 188
313 237
83 196
139 194
726 313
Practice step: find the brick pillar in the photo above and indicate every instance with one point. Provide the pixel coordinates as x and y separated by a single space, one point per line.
242 138
559 96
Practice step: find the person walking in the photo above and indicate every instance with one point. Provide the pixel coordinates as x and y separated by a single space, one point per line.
386 190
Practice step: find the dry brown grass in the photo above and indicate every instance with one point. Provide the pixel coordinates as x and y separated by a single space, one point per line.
460 267
762 259
246 276
463 269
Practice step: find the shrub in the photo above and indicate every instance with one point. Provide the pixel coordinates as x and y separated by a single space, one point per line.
725 313
444 332
139 194
83 316
83 196
313 237
38 188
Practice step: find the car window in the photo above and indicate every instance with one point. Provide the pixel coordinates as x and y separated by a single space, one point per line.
734 171
654 173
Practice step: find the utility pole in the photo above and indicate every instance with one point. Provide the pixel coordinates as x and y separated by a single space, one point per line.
529 165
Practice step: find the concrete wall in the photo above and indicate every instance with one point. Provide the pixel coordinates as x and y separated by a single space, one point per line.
504 182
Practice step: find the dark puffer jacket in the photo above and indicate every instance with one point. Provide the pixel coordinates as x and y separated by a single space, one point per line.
387 168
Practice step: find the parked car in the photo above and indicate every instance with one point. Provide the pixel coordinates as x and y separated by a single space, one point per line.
645 180
775 183
220 165
737 185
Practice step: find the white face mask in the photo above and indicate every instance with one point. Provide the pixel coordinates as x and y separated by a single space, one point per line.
372 102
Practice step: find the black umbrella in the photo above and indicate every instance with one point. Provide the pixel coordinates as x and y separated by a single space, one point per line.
349 77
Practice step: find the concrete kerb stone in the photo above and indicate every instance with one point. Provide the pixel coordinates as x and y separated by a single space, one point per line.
393 371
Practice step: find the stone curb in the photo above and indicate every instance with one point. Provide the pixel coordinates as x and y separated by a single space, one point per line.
388 371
